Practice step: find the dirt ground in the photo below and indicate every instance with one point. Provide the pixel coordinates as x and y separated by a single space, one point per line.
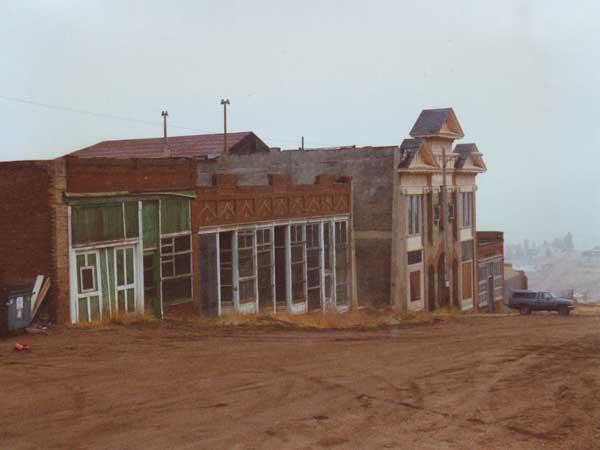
520 382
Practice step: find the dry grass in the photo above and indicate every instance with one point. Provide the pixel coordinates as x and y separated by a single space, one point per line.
355 319
363 318
122 319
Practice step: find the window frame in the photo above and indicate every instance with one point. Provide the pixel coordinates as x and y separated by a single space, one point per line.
81 289
415 223
467 209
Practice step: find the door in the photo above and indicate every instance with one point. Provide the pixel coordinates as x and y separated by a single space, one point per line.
491 294
328 263
152 301
313 265
125 270
247 270
89 306
431 288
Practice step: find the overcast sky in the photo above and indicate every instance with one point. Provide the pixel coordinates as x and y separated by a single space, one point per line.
522 76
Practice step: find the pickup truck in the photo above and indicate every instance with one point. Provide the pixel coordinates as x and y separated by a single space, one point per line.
527 301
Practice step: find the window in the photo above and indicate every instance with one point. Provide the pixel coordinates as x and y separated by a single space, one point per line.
246 266
297 247
498 268
176 265
88 279
415 286
467 250
451 211
414 215
415 257
467 209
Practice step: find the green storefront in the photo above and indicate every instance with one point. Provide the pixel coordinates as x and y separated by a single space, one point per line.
129 254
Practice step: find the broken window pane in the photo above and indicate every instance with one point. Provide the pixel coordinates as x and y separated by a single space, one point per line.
183 264
88 279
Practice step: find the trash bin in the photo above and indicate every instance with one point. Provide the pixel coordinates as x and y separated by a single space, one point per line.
3 313
15 307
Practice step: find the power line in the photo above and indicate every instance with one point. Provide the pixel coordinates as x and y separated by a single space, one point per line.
127 119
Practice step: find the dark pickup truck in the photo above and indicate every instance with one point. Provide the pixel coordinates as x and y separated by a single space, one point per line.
527 301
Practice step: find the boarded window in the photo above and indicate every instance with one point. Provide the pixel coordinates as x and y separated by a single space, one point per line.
415 257
174 215
97 223
150 223
467 280
467 250
131 219
415 286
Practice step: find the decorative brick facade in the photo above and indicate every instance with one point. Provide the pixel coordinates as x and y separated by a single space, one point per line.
227 203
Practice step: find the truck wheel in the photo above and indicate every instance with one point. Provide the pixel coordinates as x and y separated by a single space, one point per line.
563 311
525 310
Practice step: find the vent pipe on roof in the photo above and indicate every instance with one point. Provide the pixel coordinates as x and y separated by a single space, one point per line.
164 115
225 102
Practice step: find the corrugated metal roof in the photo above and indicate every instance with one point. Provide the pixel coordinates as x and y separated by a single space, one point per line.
195 146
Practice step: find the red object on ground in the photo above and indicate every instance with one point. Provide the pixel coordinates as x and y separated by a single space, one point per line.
20 347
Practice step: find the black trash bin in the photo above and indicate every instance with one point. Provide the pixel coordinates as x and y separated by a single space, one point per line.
15 308
3 312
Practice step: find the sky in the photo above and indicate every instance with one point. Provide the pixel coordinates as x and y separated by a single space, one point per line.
523 77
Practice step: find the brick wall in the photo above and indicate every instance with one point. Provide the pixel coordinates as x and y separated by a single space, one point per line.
34 229
94 175
228 203
25 220
58 303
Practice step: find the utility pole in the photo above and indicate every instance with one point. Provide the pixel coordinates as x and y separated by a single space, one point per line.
302 143
225 102
444 219
164 115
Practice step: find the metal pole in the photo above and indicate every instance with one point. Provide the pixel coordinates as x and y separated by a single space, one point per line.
444 218
225 102
302 142
164 115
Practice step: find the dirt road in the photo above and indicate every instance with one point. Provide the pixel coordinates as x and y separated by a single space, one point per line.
497 383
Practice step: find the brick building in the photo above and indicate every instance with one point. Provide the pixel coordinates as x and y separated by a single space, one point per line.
409 251
182 224
123 235
490 268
